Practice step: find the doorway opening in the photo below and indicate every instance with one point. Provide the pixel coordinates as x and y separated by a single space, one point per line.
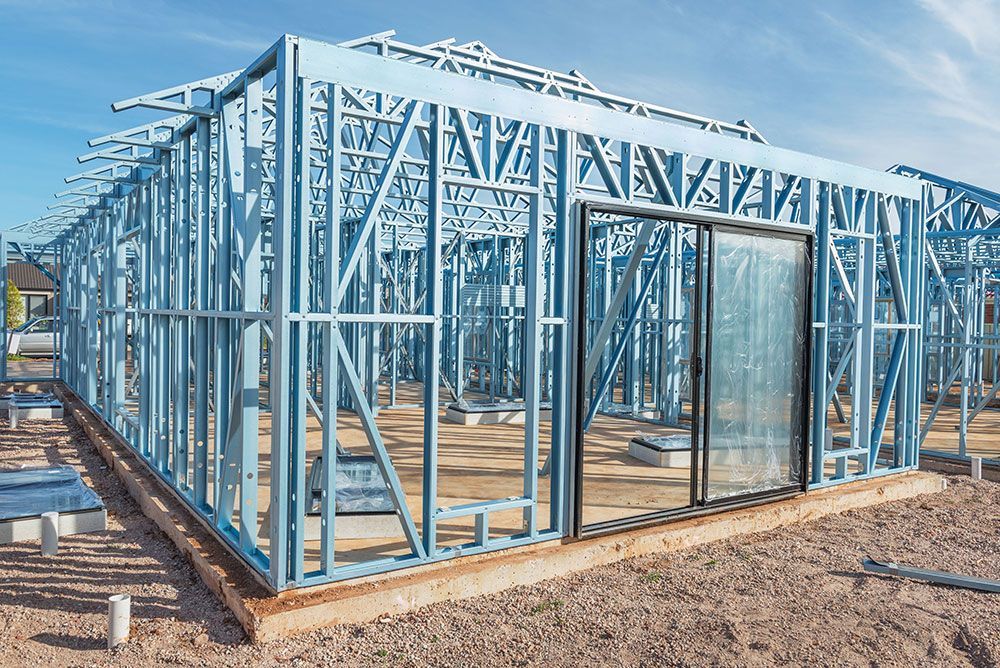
693 364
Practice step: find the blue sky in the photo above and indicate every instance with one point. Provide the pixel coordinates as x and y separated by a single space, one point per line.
913 81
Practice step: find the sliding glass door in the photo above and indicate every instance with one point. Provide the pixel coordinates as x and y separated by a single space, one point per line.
693 360
757 363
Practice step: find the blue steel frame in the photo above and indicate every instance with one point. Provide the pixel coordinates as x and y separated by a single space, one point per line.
962 334
45 255
306 230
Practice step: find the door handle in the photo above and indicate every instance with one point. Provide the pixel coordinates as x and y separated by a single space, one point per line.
699 366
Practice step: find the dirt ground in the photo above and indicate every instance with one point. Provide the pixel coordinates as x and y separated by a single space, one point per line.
796 596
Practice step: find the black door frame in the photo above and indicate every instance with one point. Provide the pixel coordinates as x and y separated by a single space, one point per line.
806 372
706 221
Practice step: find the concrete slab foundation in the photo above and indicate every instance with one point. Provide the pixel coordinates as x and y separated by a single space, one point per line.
348 526
267 616
30 528
369 598
624 410
929 462
669 452
31 406
506 413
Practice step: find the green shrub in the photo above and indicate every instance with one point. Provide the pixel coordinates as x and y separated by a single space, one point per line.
15 307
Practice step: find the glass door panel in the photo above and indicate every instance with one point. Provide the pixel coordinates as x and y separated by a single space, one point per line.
756 364
640 285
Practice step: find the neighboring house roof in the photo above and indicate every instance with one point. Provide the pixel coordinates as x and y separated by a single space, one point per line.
27 276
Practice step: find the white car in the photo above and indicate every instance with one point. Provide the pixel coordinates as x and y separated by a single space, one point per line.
34 338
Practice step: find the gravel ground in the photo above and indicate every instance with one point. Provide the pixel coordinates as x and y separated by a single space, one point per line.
795 596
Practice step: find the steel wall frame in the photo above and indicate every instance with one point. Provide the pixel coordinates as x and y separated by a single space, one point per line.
46 256
223 270
962 224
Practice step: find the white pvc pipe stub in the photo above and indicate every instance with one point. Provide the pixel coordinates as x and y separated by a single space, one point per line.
977 468
50 533
119 613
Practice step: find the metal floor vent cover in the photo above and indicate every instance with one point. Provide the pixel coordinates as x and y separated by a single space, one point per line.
490 407
360 486
672 442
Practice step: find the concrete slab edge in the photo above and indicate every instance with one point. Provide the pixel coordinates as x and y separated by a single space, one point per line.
266 618
378 596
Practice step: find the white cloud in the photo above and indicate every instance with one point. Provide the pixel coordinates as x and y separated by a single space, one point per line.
149 17
234 43
54 117
940 76
976 21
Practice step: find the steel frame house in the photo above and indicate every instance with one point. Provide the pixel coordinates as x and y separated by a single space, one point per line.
301 233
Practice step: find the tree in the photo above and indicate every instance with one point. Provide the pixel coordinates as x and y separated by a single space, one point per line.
15 307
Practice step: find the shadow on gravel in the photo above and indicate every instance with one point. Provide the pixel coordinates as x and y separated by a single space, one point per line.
69 642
